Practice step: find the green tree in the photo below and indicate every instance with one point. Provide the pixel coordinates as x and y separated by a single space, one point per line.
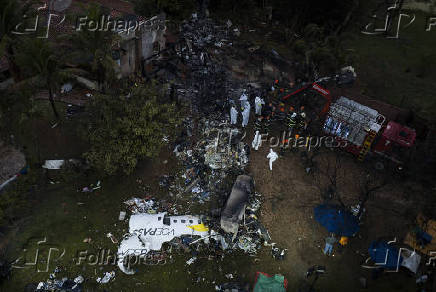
240 11
321 52
123 130
14 204
41 67
176 9
93 49
11 14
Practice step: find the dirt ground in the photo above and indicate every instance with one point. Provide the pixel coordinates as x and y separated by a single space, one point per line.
290 194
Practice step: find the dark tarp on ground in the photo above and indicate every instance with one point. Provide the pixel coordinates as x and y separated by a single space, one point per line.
377 251
336 220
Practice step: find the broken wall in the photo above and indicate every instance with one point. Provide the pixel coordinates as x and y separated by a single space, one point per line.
150 37
128 58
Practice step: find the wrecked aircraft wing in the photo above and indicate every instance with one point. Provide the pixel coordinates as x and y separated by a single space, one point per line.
149 231
234 208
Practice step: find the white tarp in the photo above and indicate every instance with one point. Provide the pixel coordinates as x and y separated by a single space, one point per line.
67 87
53 164
411 260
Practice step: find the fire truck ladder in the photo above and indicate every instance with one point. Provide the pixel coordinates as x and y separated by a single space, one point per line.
367 145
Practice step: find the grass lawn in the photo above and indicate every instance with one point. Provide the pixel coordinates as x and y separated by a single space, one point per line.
399 71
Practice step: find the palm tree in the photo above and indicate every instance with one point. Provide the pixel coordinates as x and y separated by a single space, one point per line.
41 67
93 49
11 14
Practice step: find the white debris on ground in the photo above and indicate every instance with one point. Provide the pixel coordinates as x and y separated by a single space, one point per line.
64 284
212 152
137 205
108 276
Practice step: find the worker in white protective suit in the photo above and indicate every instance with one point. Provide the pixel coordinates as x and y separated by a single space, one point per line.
257 141
233 115
258 101
272 157
243 97
245 113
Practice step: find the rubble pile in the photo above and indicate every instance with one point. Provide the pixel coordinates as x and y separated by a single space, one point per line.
212 154
64 284
209 82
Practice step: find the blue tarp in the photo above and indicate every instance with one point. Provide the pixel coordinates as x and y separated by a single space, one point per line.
24 170
336 220
377 251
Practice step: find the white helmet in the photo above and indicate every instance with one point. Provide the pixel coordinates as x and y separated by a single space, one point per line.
303 115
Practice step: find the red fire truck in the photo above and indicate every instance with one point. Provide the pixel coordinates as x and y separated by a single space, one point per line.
365 130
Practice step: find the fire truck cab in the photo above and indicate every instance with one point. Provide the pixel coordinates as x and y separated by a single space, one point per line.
395 141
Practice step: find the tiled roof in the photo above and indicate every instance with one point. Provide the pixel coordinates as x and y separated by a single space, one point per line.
124 7
118 8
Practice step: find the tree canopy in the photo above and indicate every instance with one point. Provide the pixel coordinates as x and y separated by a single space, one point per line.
176 9
41 66
92 49
122 130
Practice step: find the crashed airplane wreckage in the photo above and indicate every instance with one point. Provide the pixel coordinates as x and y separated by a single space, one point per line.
148 232
234 209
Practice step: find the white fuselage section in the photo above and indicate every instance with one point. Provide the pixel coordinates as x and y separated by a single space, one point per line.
149 231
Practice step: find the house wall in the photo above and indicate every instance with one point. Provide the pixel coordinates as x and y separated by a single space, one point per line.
149 38
128 58
138 46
